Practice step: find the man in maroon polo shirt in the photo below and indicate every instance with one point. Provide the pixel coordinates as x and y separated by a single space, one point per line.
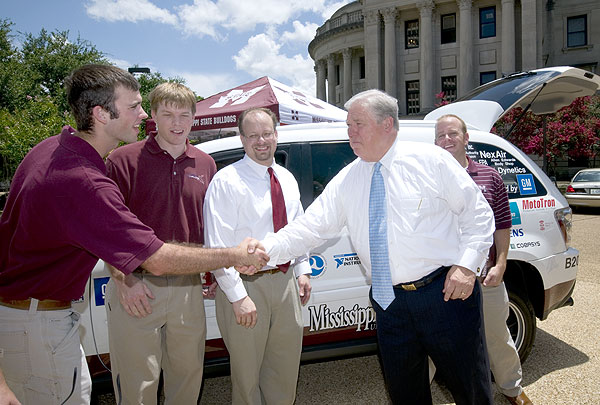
61 215
451 134
163 180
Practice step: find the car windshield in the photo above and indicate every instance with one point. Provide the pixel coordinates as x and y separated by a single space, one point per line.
587 176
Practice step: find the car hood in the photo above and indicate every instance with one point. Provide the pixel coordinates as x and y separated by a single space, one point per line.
544 91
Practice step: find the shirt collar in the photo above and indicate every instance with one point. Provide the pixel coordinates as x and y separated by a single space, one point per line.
72 142
471 167
154 147
388 159
260 170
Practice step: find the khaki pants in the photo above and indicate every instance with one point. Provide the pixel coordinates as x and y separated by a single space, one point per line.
41 352
172 338
504 359
265 359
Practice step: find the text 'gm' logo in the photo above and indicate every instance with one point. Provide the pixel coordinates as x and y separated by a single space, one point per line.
318 265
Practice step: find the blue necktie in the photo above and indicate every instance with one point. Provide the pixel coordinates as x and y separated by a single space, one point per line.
383 290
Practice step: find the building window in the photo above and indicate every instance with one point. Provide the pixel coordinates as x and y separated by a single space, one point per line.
485 77
487 22
448 28
411 34
577 31
337 75
362 67
449 88
413 104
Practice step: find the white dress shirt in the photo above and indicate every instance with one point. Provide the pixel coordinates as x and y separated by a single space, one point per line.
437 215
237 205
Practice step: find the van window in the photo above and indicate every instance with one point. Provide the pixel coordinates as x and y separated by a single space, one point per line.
519 181
328 158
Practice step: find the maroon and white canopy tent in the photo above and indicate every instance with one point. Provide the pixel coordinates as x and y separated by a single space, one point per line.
217 116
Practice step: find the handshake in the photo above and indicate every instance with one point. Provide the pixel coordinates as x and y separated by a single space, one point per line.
252 256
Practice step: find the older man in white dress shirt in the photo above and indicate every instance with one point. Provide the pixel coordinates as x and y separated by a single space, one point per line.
421 228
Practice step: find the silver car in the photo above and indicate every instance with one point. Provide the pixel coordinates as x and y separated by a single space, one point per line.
584 190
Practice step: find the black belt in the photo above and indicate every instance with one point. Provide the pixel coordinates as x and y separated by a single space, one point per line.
413 286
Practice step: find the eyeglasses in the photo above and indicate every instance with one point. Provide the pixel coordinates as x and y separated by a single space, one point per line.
267 136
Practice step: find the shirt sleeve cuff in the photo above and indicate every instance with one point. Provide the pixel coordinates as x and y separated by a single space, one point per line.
236 292
302 268
472 260
270 244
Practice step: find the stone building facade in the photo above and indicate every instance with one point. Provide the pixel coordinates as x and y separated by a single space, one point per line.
416 50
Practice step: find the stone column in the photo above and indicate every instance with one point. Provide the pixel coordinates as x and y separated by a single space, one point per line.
347 56
321 89
539 34
549 42
389 20
465 61
528 35
508 36
372 49
331 79
426 63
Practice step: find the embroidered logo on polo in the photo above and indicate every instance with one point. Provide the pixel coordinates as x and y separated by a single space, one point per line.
199 178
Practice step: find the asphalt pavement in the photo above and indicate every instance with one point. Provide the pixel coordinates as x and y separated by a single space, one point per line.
563 367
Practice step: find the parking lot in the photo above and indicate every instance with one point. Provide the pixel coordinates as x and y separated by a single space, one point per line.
564 365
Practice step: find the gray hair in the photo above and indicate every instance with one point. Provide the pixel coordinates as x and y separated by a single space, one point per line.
380 104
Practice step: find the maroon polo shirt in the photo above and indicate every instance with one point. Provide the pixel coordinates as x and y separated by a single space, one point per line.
62 214
166 194
492 187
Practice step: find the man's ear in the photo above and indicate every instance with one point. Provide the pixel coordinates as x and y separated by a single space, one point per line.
100 114
388 123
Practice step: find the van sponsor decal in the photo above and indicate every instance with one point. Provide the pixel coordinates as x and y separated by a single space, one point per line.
516 232
515 214
525 245
526 184
571 262
512 188
511 170
346 259
538 203
318 265
100 290
323 318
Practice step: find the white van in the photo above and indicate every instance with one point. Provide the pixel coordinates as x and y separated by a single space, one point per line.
338 318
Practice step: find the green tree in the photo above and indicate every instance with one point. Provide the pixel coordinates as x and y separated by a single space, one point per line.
33 103
50 57
20 131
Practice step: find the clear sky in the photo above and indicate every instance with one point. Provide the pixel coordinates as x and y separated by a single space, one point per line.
213 44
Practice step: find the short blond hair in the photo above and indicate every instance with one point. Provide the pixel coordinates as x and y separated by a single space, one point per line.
172 93
463 126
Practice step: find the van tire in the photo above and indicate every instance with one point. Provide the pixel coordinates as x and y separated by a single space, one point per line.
521 323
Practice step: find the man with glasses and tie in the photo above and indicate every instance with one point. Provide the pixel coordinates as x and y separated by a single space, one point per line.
421 228
259 316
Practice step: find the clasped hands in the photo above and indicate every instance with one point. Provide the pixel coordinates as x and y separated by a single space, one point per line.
252 256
